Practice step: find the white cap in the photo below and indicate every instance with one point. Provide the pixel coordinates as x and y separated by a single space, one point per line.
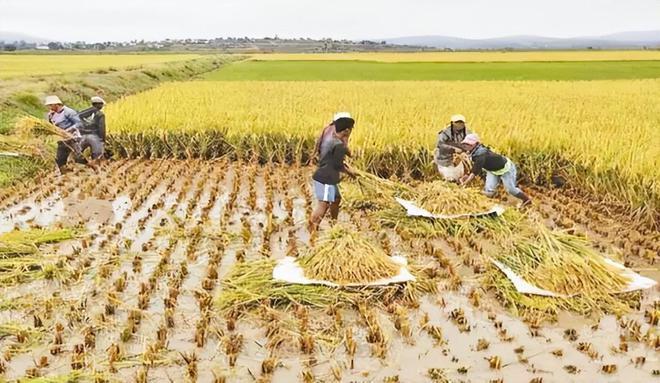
471 139
52 100
97 100
339 115
457 117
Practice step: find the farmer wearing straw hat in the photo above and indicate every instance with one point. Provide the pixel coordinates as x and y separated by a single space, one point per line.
497 168
92 130
66 119
326 178
328 134
449 140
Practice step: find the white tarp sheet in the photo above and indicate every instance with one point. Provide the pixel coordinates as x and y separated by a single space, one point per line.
637 282
416 211
287 270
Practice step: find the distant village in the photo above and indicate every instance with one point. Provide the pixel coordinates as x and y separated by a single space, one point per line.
228 45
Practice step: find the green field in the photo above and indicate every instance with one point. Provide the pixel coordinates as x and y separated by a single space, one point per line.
379 71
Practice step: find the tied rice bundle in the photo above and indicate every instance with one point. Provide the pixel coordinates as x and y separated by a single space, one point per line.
372 192
32 126
19 243
344 256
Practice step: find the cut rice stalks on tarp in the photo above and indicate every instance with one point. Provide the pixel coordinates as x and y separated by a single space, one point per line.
461 210
565 269
345 257
250 285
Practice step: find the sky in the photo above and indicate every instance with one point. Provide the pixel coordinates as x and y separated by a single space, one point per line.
120 20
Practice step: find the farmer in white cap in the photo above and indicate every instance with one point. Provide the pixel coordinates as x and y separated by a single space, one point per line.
496 166
449 140
93 130
324 141
66 119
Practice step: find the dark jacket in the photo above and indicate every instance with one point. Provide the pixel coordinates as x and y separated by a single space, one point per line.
93 122
485 159
447 142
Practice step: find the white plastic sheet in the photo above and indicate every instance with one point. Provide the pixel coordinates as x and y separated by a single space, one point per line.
416 211
287 270
637 282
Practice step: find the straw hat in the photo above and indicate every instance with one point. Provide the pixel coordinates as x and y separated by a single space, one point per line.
52 100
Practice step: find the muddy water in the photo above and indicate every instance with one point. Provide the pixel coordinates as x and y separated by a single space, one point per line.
156 211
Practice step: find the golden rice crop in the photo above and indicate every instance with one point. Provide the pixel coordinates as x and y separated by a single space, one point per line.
577 128
440 197
465 56
46 64
346 256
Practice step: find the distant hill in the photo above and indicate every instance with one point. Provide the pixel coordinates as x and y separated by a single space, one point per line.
10 37
650 39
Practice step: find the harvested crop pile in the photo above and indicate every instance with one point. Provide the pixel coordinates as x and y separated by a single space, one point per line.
564 264
345 256
371 192
250 283
441 197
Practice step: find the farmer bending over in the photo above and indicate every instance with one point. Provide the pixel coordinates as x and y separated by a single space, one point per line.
66 119
449 140
93 130
497 168
328 135
326 176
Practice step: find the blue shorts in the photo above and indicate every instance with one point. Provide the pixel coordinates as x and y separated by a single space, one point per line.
326 193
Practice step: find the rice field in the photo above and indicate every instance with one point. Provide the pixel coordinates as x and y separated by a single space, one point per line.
160 265
139 290
15 65
581 130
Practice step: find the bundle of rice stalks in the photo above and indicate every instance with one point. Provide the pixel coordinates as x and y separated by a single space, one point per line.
370 192
446 198
344 256
12 145
249 283
564 264
19 243
35 127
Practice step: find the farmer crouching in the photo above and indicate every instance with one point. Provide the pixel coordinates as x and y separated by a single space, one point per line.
326 177
497 168
449 140
66 119
92 130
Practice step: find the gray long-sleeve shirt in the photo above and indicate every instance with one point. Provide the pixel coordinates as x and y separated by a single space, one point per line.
447 142
66 119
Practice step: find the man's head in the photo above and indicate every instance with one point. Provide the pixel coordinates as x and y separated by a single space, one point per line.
343 127
339 115
457 122
470 142
98 102
53 103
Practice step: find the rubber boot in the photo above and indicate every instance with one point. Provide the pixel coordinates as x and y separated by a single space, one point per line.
526 201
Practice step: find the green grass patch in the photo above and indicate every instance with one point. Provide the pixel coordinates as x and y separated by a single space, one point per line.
378 71
14 169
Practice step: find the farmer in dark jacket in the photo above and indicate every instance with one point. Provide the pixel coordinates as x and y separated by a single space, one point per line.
66 119
326 178
449 140
497 168
93 130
